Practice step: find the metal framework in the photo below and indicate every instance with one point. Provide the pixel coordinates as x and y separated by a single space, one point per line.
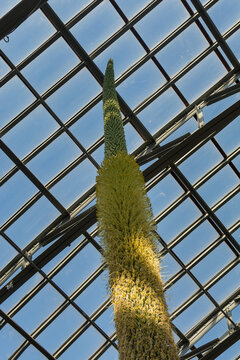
75 228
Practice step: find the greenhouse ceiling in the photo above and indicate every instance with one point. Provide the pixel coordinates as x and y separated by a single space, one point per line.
177 77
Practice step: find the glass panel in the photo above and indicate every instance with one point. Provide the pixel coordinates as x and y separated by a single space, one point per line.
161 110
106 322
218 185
7 5
213 263
211 111
73 95
162 20
88 300
4 68
225 14
231 353
14 97
90 126
67 9
40 307
73 185
10 339
185 47
85 345
30 131
32 222
78 269
228 138
7 252
193 314
11 301
188 127
42 72
200 162
195 242
175 296
21 44
164 193
236 314
233 42
54 158
125 52
236 162
130 8
60 329
236 235
141 84
201 77
93 29
110 354
133 139
15 193
216 332
32 353
6 163
229 212
178 220
98 154
230 283
59 257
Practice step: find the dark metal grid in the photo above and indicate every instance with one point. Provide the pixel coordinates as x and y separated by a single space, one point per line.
191 143
222 274
58 289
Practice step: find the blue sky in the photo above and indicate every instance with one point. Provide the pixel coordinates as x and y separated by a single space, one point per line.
42 73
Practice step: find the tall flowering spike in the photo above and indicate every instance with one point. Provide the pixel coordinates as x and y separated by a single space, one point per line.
113 126
126 228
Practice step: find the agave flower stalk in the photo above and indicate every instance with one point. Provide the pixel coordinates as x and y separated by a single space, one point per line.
127 235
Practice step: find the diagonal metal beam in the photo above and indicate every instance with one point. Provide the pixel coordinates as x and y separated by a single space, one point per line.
198 138
220 95
29 338
17 15
223 345
199 350
216 33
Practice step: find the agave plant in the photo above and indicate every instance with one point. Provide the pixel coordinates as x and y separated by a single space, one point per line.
127 235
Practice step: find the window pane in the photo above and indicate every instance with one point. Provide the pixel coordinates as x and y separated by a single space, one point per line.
93 29
162 20
21 44
42 72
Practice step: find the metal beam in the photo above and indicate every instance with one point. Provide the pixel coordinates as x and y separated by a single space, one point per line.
199 350
17 15
216 33
223 345
223 94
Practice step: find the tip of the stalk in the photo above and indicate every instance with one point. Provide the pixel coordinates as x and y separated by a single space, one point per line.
110 61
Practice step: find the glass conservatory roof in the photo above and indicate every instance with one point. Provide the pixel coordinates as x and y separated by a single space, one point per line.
177 77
